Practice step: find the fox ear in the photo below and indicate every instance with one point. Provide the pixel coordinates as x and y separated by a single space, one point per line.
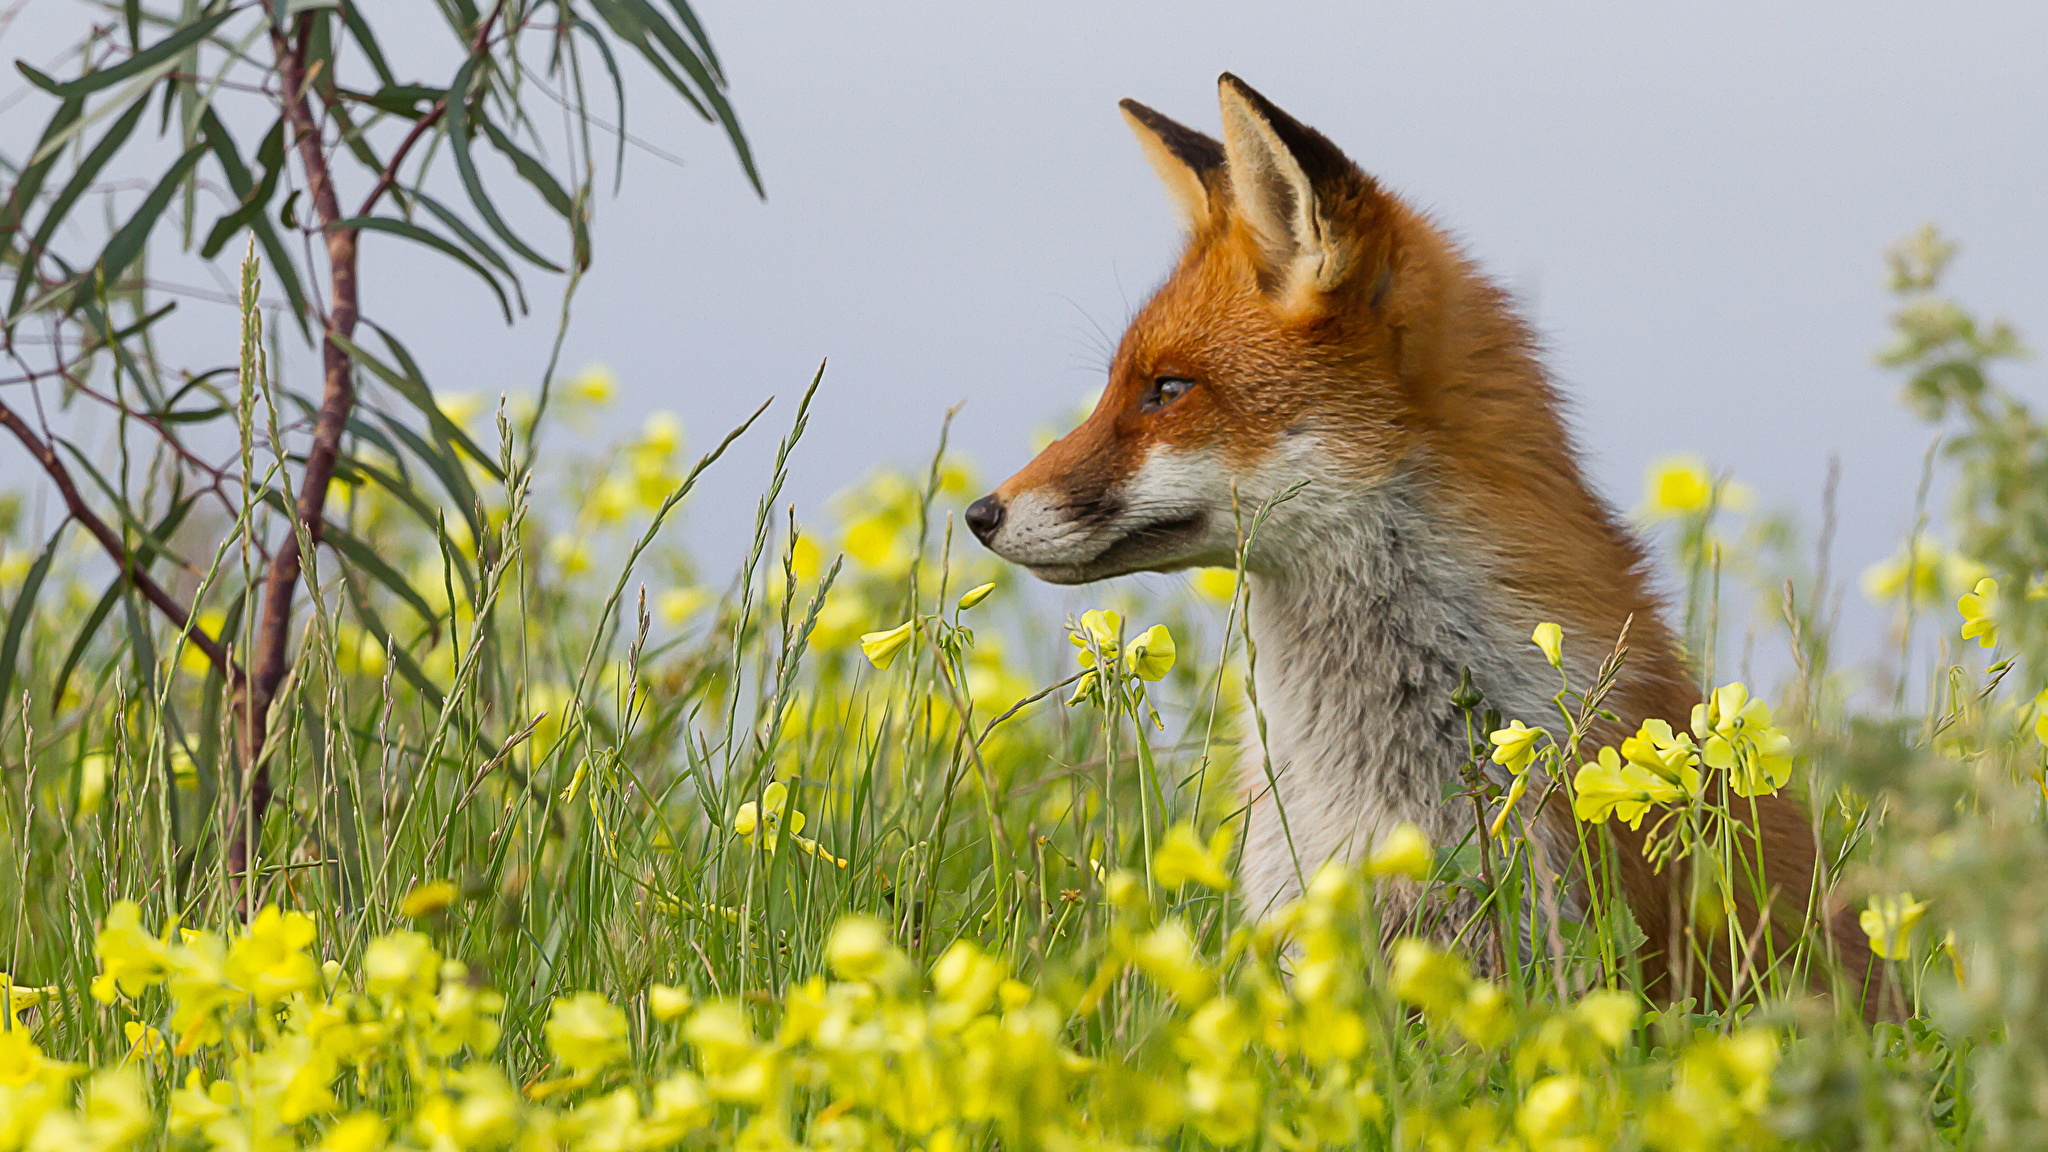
1190 163
1283 176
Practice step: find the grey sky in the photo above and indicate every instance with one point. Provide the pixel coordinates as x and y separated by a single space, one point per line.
1694 200
1695 204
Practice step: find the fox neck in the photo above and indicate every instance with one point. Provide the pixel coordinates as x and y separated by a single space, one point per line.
1365 612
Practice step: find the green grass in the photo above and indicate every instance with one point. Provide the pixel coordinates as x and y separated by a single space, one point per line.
983 932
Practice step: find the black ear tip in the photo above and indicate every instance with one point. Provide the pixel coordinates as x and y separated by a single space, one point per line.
1246 92
1145 115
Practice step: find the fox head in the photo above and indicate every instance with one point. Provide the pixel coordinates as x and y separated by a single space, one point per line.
1286 347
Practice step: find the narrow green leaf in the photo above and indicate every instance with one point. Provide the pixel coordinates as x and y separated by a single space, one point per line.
128 243
419 235
365 39
18 618
410 384
157 53
30 183
365 557
274 250
82 179
461 228
85 632
459 145
254 202
530 170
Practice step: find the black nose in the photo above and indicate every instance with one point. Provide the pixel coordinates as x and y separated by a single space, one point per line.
985 516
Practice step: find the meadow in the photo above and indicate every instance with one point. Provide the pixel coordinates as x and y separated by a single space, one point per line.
576 845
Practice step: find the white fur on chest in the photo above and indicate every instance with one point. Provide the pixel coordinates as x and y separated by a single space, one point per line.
1365 613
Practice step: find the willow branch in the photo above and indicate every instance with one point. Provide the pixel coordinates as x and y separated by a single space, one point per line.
386 180
45 454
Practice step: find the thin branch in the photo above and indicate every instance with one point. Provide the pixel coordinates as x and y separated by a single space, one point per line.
179 615
478 45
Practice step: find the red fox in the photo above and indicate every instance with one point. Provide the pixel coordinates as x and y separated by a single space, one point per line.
1318 332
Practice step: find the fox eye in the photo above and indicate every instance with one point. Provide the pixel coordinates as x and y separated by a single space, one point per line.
1162 391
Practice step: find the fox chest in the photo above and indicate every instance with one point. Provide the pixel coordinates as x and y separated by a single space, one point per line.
1359 731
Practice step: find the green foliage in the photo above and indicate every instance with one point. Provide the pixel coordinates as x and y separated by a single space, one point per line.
571 849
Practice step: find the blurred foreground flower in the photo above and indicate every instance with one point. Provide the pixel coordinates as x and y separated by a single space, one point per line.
1404 852
427 899
1183 857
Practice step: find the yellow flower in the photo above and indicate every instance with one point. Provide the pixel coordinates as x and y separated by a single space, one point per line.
1098 634
966 979
130 958
1553 1104
586 1032
1217 584
675 606
465 1013
200 988
402 966
612 499
1167 955
681 1106
881 647
459 407
15 997
570 553
357 652
1183 857
666 1003
860 949
93 770
1607 787
2041 716
976 595
751 817
1152 653
1514 746
269 959
1609 1015
358 1132
1671 755
483 1113
1682 486
1677 486
145 1042
1550 638
722 1036
596 384
199 1105
1428 977
116 1114
209 621
1225 1103
1979 609
1889 921
1485 1017
1922 569
1405 851
1736 736
662 433
429 898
